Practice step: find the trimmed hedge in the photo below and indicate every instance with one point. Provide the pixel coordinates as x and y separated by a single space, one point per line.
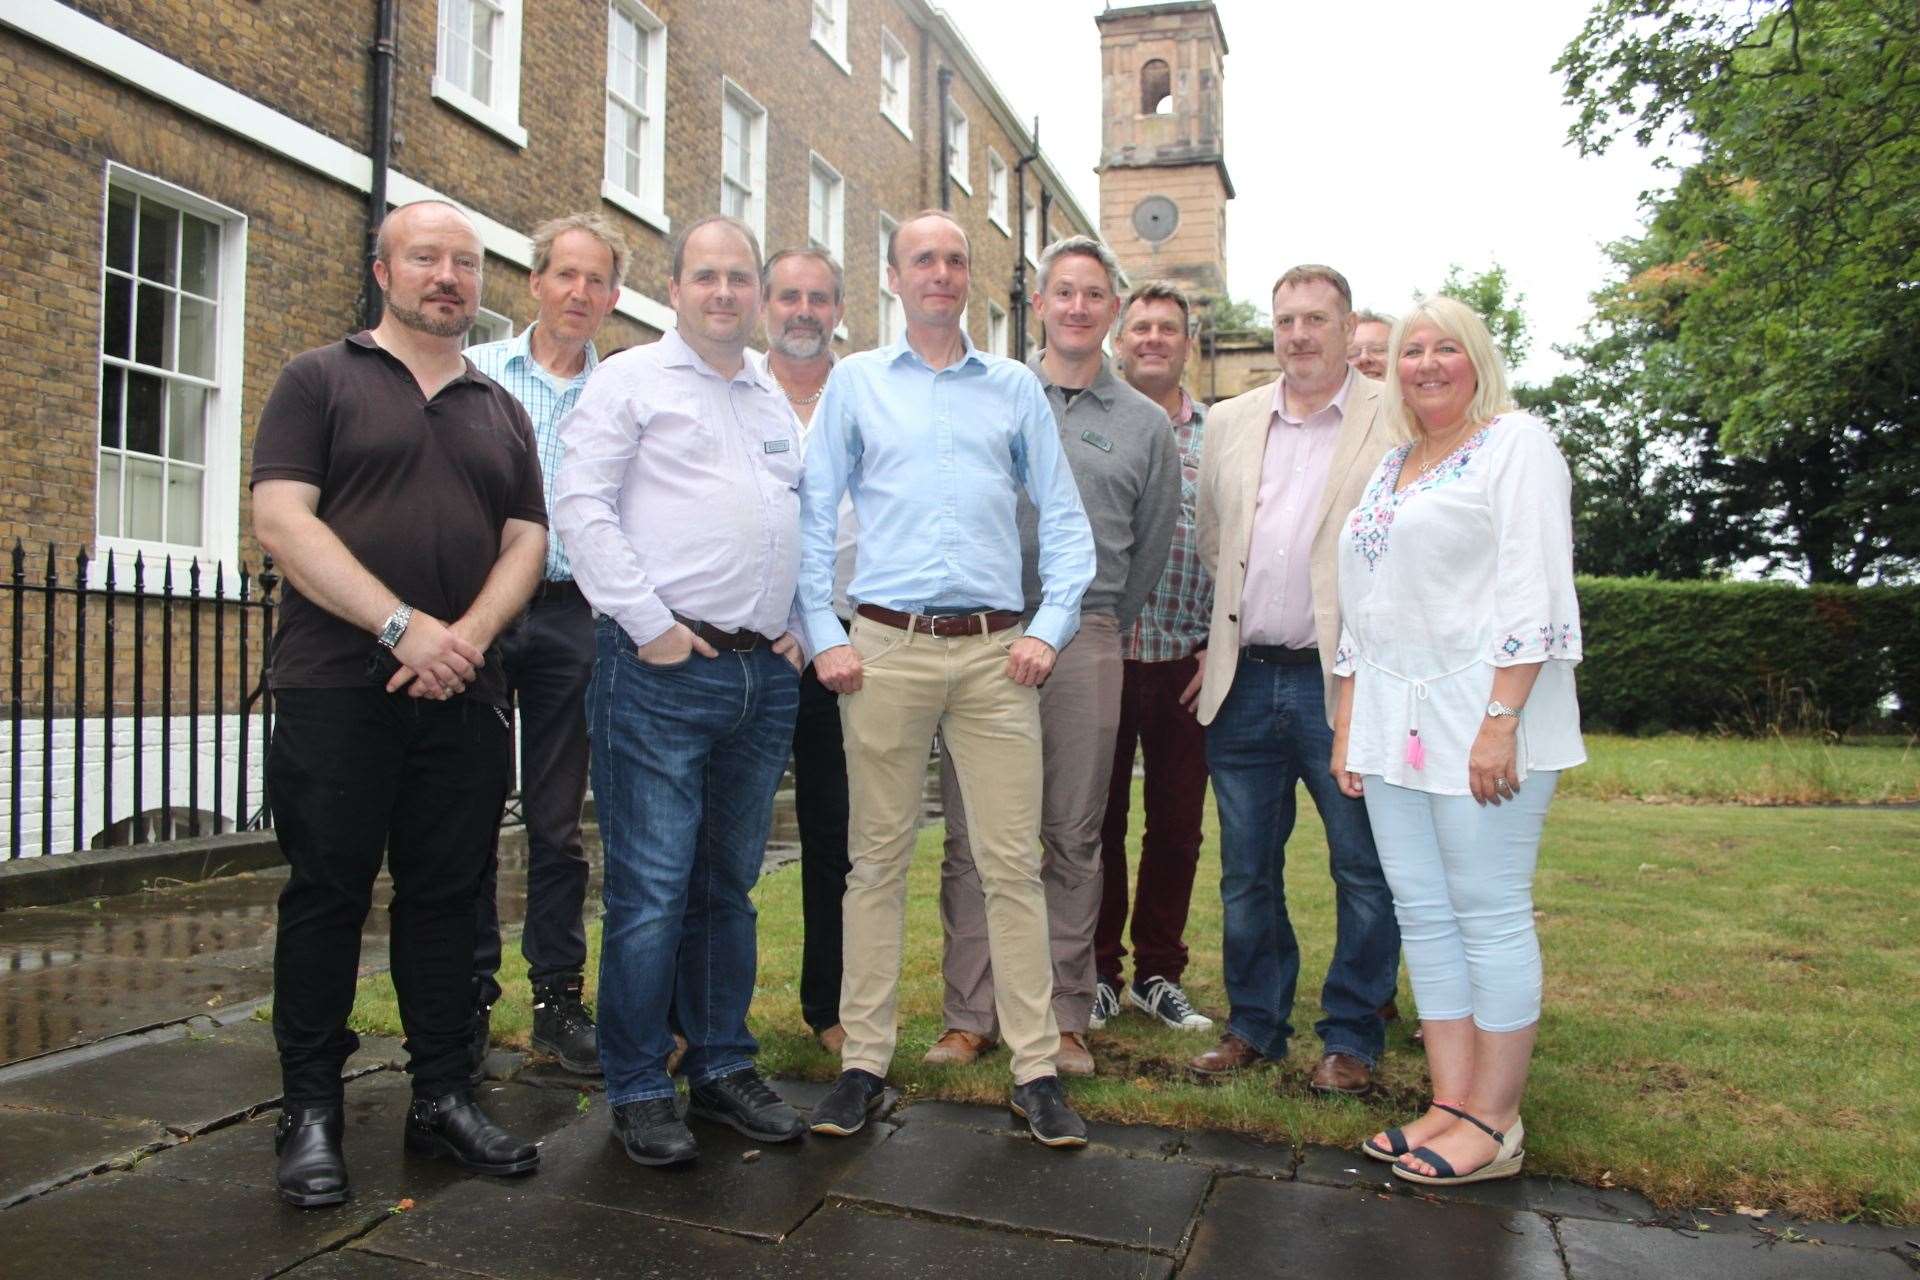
1745 656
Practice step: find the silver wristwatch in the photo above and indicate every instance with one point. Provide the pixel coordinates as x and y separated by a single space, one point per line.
396 626
1497 708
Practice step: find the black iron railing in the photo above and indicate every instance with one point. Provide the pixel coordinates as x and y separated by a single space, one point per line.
95 661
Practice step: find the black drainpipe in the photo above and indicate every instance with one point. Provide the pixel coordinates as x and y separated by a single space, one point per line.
946 149
385 46
1019 300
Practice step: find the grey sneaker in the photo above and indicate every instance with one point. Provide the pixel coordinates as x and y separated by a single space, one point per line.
1164 1000
1106 1005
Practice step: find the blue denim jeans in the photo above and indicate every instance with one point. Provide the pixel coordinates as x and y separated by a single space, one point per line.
1270 733
686 759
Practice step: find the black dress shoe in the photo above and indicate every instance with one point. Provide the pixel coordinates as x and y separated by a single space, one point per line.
453 1125
844 1111
564 1028
653 1133
312 1170
744 1101
1043 1105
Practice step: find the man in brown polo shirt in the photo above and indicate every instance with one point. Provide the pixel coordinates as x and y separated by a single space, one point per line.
399 491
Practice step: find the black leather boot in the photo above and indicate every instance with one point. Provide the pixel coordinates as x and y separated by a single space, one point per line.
312 1169
479 1041
563 1027
454 1126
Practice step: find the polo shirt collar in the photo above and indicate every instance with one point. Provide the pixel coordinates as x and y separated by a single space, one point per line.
1103 387
364 340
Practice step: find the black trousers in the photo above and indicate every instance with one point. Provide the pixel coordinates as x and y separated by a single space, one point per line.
355 774
820 805
547 658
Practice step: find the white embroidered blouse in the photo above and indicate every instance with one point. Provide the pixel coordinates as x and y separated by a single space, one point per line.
1468 568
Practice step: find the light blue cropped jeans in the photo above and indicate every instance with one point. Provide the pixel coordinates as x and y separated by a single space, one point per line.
1462 881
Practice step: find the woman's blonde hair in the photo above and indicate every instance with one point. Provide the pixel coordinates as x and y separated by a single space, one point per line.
1461 322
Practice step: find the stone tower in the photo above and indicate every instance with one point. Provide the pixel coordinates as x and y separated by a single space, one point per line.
1163 171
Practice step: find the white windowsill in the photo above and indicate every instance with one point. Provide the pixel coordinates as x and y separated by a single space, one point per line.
960 181
897 123
839 59
630 203
1005 230
468 105
154 557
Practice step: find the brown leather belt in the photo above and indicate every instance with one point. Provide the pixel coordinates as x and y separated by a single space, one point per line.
725 641
985 622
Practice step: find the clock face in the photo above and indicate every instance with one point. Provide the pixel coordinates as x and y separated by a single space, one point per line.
1155 218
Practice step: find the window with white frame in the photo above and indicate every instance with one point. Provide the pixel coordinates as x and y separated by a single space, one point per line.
478 70
997 191
826 208
173 281
896 81
957 145
743 158
997 341
1031 213
488 326
893 318
829 28
636 111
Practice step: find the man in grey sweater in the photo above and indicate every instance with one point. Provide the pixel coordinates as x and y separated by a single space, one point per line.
1121 449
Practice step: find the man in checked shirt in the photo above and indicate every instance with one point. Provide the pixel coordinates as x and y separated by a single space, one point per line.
547 656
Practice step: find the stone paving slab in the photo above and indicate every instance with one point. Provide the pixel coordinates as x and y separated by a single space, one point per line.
59 1008
358 1264
187 1084
121 1225
1614 1251
845 1241
766 1196
1335 1167
379 1171
1260 1227
40 1149
1016 1183
1131 1139
1237 1153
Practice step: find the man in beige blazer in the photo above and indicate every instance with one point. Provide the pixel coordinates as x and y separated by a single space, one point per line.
1283 466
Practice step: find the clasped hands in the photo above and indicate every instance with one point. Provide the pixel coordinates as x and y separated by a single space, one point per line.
1029 663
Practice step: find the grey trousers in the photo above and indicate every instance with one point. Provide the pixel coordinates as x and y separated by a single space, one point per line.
1079 719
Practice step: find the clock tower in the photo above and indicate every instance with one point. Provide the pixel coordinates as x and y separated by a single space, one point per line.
1163 171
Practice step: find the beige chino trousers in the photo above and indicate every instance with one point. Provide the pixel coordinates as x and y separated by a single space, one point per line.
1079 719
914 685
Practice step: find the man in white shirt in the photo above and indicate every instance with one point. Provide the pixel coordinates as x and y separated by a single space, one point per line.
678 504
1283 466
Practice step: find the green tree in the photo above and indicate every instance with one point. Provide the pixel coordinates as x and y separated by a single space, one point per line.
1486 293
1792 241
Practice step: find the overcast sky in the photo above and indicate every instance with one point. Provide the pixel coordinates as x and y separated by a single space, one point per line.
1388 139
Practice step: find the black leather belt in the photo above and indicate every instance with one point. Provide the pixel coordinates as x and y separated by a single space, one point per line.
725 641
563 591
1280 656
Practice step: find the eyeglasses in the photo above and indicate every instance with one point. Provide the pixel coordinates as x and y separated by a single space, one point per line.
1367 349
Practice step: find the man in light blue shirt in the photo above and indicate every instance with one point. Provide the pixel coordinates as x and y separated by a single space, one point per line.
547 656
936 442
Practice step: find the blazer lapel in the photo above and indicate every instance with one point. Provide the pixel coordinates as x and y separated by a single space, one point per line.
1356 425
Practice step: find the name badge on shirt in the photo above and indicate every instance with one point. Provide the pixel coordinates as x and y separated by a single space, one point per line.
777 446
1098 441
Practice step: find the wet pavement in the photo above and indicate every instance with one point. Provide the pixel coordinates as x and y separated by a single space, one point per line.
138 1096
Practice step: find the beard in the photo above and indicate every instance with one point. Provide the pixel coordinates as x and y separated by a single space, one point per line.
800 343
420 320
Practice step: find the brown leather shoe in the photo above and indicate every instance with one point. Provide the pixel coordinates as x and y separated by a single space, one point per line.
1389 1012
1232 1054
956 1048
1074 1058
679 1052
833 1039
1339 1073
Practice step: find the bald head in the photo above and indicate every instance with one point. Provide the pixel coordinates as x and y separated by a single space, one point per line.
427 260
402 217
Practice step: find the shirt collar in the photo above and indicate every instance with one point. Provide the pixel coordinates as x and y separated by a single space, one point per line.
1188 410
521 349
1338 404
901 347
676 354
364 340
1104 385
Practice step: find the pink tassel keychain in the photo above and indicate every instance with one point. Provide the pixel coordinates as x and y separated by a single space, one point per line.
1416 750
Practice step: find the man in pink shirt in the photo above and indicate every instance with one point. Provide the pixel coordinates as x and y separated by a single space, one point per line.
1283 466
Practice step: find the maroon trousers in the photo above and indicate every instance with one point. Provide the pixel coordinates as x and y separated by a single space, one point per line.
1175 794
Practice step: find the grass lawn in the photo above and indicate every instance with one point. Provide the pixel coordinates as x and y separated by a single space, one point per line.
1733 993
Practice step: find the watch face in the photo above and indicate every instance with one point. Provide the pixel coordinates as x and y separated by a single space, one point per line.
1155 218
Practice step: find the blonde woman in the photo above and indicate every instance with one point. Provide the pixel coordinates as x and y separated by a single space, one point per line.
1456 714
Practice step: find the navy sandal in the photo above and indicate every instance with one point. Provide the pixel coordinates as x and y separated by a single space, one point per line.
1397 1138
1505 1163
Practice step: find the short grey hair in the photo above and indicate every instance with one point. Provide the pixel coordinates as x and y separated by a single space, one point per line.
1364 316
893 236
1086 247
820 256
1161 291
679 262
599 226
1309 273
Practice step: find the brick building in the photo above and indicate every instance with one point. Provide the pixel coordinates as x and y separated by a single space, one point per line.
188 200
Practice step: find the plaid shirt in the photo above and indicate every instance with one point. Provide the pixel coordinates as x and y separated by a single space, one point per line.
1174 621
547 399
